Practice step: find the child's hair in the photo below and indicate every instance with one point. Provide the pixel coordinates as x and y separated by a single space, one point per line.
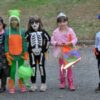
1 21
61 17
98 16
33 19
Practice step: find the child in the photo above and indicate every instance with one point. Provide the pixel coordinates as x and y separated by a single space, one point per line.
97 54
63 39
4 69
38 40
16 49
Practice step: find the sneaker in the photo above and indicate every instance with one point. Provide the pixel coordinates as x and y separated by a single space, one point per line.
12 91
33 88
43 87
23 89
97 89
11 86
2 90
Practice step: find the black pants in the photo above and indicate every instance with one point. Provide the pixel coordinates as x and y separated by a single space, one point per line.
3 76
98 62
4 68
38 61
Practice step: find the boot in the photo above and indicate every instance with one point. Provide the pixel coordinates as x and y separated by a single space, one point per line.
70 80
11 86
71 85
62 83
21 86
62 75
98 88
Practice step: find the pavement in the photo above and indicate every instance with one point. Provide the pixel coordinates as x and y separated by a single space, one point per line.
85 79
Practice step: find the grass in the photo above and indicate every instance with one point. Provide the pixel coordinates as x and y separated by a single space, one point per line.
82 14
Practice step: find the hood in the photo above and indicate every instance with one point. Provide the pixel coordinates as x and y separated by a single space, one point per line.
14 14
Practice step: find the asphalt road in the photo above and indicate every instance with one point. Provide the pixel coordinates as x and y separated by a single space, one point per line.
85 78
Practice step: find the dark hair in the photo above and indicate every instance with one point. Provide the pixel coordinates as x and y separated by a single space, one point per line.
33 19
62 19
98 16
1 21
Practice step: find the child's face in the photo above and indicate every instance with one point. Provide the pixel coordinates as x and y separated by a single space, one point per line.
1 26
14 23
63 24
35 25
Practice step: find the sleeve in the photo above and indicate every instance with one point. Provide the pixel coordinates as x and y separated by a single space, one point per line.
53 39
27 36
24 42
47 40
96 40
74 38
6 41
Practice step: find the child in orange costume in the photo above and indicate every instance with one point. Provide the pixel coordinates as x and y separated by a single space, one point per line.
15 48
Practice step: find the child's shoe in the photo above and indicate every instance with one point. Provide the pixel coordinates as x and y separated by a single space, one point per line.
2 90
98 88
62 85
43 87
33 88
12 91
21 86
23 89
11 86
72 88
71 85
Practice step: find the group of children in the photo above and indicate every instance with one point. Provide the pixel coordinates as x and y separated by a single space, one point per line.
17 46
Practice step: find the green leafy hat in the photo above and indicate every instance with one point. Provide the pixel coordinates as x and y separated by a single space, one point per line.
14 13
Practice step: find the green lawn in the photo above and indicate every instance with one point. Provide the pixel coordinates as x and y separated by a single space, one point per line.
82 13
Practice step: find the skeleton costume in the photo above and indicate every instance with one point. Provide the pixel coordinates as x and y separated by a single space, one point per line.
38 44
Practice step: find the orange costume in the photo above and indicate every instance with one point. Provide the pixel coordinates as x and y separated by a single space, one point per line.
16 50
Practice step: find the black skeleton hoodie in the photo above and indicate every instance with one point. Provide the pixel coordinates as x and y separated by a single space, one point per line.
38 41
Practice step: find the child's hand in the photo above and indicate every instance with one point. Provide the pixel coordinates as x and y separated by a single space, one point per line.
58 44
95 51
25 57
9 58
69 44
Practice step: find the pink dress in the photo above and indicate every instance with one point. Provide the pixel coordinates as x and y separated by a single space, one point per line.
59 37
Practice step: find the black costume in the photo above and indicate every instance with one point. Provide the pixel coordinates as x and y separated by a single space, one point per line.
38 44
4 68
